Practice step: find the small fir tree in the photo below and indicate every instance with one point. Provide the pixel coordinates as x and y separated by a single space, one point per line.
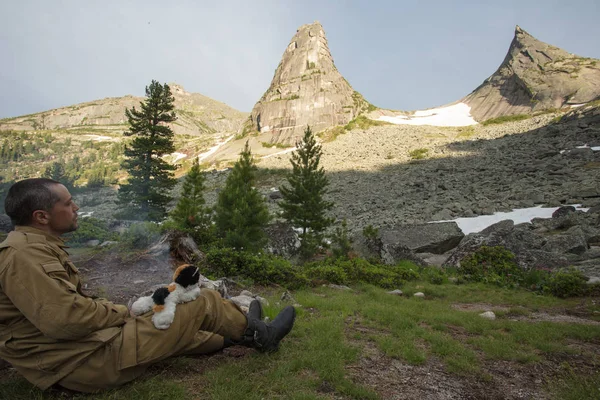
147 192
57 172
241 212
190 212
303 204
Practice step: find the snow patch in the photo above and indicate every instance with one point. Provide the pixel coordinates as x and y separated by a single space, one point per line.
213 149
99 138
477 224
178 156
454 115
585 146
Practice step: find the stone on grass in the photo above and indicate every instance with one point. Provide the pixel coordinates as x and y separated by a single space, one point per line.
419 294
488 315
593 280
286 297
396 292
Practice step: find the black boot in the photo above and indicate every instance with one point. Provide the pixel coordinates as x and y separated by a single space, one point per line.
265 336
255 310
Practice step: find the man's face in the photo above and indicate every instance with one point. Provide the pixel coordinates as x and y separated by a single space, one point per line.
63 215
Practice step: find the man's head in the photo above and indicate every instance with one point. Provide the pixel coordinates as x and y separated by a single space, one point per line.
42 203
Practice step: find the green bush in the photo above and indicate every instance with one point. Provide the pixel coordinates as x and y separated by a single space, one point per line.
263 269
494 265
505 118
418 154
341 243
535 279
140 235
370 232
566 283
434 275
329 273
343 271
90 229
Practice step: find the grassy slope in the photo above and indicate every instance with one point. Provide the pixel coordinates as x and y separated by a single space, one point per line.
334 328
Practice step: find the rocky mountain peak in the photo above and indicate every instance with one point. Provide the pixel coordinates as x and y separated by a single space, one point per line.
307 89
535 76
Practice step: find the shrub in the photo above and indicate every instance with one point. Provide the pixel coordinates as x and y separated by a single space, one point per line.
140 235
566 283
535 279
495 265
434 275
341 243
329 273
418 154
90 229
360 270
370 233
263 269
505 118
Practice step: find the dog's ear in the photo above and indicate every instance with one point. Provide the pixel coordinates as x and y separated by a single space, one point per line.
187 276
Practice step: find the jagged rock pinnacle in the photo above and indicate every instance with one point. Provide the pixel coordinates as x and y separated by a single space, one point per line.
307 89
535 76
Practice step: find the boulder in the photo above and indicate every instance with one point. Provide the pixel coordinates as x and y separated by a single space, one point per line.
488 315
521 240
572 241
562 211
436 238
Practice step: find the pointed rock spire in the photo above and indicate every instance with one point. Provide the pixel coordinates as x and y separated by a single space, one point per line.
307 89
535 76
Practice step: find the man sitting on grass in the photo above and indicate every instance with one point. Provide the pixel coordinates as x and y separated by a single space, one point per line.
53 333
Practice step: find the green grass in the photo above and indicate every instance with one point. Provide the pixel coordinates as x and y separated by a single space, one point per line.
360 122
466 132
418 154
276 145
505 118
334 328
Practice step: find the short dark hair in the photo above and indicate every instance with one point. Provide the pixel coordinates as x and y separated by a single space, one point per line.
28 195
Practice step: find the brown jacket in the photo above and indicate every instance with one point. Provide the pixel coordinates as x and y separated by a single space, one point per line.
48 327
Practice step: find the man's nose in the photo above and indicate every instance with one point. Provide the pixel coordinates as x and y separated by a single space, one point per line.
75 206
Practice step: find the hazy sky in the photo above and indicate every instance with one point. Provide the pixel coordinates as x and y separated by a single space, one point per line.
398 54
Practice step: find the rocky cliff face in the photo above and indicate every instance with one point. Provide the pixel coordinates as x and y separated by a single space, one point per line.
196 115
307 89
535 76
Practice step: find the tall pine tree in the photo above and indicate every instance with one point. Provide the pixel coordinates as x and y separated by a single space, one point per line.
303 204
190 212
148 190
241 212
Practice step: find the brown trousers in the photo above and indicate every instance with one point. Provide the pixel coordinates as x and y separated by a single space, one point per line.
199 328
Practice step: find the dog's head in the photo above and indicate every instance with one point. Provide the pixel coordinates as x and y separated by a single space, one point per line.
186 275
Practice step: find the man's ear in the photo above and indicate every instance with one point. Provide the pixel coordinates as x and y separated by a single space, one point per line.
40 217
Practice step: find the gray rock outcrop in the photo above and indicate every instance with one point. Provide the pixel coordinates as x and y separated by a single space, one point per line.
543 243
307 89
196 115
424 238
535 76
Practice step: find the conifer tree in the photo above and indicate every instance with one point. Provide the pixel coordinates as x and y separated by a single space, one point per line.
190 212
241 212
57 172
148 190
303 201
